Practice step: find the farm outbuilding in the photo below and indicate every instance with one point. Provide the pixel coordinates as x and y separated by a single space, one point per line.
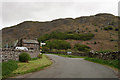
30 44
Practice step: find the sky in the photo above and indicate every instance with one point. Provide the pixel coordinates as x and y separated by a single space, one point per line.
13 12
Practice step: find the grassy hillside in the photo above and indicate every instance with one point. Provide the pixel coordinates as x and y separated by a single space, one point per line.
103 26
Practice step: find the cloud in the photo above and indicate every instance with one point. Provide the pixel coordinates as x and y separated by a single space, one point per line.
14 12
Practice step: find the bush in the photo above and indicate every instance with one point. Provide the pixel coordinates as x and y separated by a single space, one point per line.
81 47
95 24
65 36
8 67
116 29
95 42
39 56
34 58
24 57
58 44
104 51
44 38
86 28
45 49
96 30
108 28
115 45
112 40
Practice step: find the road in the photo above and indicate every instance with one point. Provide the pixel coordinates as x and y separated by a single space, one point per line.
72 68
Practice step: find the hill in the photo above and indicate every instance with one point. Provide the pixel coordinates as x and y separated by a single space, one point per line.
104 26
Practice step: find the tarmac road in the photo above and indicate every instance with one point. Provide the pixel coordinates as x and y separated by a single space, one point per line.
72 68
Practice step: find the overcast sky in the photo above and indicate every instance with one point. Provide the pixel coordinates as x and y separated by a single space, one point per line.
17 11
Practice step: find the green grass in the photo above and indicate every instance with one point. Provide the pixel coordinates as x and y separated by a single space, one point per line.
33 65
8 67
111 63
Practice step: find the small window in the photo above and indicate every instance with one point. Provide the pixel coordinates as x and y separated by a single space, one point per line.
31 48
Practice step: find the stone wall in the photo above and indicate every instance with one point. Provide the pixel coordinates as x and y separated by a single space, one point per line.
11 54
104 56
73 53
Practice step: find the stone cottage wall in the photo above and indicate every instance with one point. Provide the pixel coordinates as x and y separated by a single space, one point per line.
11 54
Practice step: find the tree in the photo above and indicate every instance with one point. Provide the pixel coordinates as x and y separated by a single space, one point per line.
58 44
81 47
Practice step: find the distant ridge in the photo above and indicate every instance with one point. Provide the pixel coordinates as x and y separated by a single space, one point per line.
85 24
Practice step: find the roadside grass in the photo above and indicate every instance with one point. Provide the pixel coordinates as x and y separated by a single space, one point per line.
111 63
8 67
31 66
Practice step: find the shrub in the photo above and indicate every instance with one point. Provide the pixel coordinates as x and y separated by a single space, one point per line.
58 44
86 28
116 29
65 36
43 38
96 30
24 57
95 42
95 24
8 67
112 40
89 31
104 51
45 49
70 32
87 43
34 58
69 50
81 47
115 45
39 56
108 28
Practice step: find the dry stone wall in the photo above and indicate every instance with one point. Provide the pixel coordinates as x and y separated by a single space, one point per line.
104 56
11 54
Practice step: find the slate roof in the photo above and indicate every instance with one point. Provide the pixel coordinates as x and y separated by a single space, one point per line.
31 41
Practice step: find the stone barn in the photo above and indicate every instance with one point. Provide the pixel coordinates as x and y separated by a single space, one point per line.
30 44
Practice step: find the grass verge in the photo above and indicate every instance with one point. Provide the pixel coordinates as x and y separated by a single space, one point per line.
111 63
32 66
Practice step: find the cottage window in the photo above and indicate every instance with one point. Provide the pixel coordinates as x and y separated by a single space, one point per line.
31 48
